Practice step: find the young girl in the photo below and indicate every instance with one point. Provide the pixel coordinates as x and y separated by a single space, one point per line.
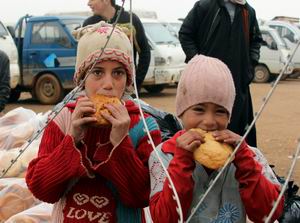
204 100
96 174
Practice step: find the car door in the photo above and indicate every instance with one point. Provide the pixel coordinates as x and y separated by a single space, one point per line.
269 56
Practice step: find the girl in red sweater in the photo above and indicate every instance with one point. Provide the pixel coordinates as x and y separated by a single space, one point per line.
96 174
247 187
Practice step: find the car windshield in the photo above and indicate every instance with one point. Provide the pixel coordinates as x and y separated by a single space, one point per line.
159 34
73 24
176 26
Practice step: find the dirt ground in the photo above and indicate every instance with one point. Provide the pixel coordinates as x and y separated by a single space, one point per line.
278 128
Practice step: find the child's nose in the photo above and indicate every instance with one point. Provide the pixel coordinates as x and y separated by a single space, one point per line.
209 122
107 82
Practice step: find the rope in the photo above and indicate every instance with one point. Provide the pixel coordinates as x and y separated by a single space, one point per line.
150 141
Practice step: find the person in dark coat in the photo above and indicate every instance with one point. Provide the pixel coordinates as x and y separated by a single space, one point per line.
107 10
227 30
4 81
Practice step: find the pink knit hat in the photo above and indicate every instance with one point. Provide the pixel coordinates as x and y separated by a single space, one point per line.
91 41
205 79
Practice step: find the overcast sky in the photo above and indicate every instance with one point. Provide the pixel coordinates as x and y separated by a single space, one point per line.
11 10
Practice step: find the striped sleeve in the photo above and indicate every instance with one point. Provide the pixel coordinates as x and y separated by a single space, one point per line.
140 139
57 163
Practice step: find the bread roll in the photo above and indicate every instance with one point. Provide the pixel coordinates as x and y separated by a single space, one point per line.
15 199
99 102
22 133
212 154
5 161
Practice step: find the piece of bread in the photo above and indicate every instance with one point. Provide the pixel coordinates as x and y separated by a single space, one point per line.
99 102
212 154
5 161
15 198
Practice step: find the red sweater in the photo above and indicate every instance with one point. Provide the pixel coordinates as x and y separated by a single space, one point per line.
78 177
257 192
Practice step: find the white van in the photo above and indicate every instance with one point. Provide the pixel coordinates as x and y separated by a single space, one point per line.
167 57
291 34
7 45
274 53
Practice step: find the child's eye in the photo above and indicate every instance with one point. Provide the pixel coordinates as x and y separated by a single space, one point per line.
119 73
221 111
199 109
97 72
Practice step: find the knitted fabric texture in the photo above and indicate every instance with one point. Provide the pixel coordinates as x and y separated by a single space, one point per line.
92 40
104 196
205 79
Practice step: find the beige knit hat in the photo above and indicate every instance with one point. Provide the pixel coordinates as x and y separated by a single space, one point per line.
205 79
91 41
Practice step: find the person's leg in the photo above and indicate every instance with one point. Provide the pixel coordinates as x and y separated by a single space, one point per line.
242 116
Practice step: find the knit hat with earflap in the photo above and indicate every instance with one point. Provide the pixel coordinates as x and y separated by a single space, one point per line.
205 79
92 40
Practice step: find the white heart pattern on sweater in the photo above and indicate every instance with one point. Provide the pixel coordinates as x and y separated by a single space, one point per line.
97 201
81 199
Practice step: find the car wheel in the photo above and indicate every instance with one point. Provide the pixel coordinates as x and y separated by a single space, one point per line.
155 89
48 89
261 75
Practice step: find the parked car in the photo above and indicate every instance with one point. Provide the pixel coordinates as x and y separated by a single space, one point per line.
291 35
8 46
167 57
47 53
274 54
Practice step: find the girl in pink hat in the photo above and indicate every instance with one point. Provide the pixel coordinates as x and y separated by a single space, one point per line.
247 187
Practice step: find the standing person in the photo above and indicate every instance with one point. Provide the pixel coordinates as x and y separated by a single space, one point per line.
4 81
107 10
96 174
227 30
247 187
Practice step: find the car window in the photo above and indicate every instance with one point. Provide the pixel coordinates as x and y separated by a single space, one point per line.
159 34
273 36
176 26
49 33
267 38
3 31
278 28
73 24
286 33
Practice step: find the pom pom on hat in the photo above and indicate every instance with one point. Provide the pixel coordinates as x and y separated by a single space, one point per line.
205 79
92 40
